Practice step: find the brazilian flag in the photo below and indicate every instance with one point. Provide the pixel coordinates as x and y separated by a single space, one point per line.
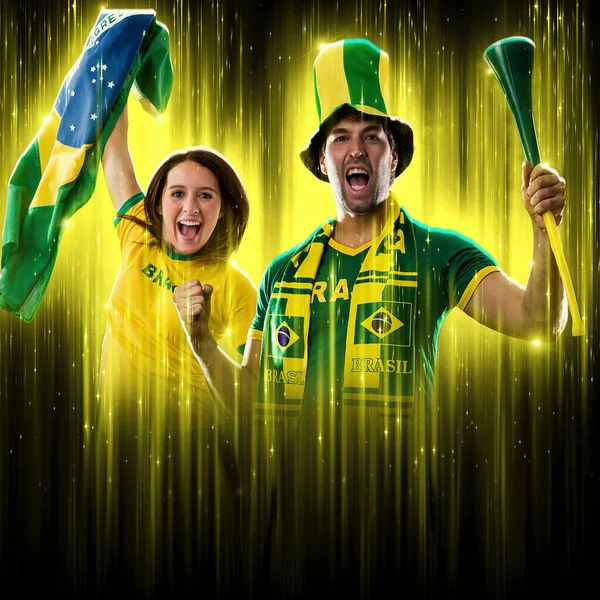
386 323
57 173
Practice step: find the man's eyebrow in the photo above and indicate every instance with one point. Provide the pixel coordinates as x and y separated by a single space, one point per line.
337 130
373 127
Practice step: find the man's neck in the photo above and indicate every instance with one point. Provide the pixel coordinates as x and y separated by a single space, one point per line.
353 230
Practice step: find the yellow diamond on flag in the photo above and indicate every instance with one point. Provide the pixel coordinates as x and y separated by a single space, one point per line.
381 323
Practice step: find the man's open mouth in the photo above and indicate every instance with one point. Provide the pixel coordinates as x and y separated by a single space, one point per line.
357 178
189 229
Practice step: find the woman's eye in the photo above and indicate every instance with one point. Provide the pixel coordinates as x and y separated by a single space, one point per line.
177 194
205 196
340 138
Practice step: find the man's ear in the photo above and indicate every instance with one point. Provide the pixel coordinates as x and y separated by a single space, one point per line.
322 164
394 160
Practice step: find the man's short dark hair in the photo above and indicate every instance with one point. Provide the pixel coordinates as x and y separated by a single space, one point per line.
354 116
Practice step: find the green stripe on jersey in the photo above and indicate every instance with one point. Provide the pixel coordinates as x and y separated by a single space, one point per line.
128 205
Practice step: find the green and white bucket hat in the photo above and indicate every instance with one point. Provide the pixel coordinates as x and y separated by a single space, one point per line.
354 73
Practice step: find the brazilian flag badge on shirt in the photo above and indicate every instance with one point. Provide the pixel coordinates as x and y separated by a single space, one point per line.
385 323
287 337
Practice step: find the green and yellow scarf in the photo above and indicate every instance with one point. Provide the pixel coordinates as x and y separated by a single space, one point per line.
379 371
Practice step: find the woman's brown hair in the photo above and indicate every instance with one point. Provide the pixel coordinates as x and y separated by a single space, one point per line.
227 235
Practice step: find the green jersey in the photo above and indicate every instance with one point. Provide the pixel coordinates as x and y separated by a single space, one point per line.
346 330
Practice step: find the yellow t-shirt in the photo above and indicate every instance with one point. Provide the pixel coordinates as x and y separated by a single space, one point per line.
148 373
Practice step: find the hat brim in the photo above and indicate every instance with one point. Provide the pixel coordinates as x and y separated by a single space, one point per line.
401 131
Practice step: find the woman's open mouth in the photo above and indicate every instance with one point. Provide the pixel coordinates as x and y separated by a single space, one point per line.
189 229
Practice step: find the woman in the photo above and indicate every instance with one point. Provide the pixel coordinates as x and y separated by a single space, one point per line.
186 227
165 447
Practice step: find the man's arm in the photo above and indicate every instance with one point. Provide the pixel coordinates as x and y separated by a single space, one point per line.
117 164
232 385
538 310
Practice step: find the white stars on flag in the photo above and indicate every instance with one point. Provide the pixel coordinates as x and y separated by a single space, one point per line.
96 83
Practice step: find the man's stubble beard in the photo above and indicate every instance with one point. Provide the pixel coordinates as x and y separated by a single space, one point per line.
366 206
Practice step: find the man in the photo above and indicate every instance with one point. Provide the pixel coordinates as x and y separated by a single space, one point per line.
344 343
360 149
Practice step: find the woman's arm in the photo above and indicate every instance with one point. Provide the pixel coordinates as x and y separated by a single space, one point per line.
117 165
231 384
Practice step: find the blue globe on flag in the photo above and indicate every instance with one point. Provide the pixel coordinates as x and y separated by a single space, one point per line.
382 323
283 336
